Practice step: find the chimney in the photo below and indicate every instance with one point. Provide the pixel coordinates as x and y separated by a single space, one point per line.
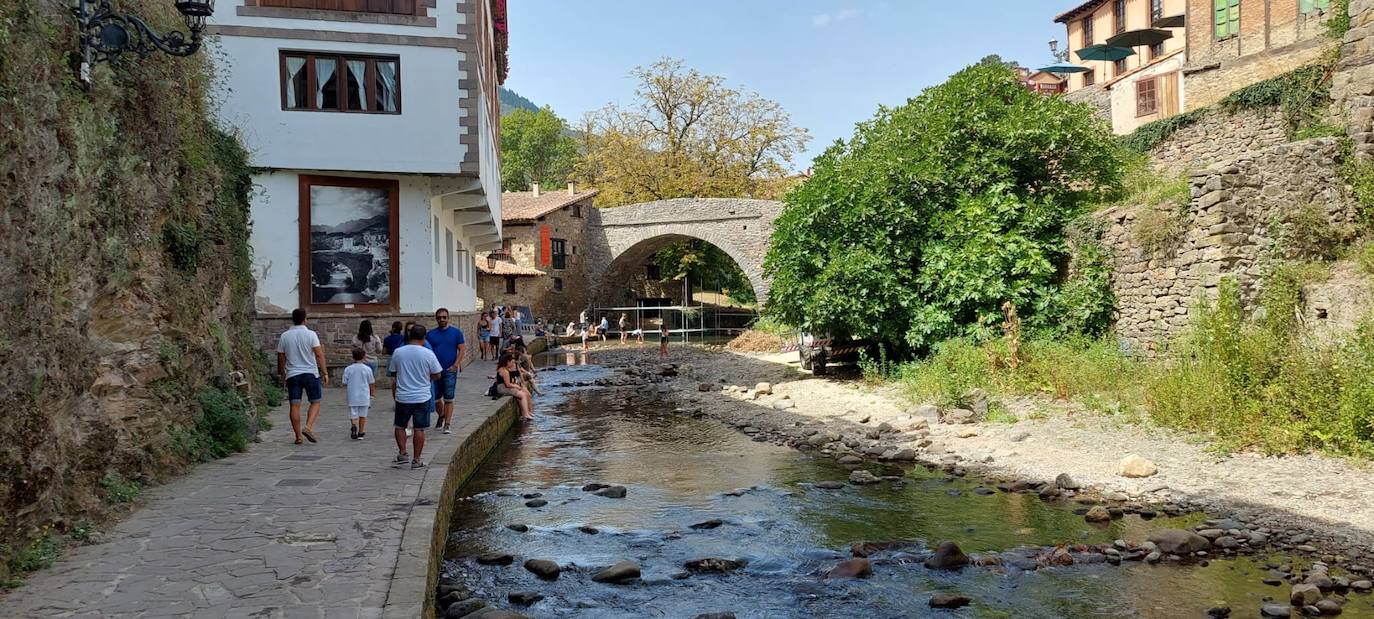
572 188
536 189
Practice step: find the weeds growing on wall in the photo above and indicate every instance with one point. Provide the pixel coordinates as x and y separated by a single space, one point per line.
1339 22
1152 134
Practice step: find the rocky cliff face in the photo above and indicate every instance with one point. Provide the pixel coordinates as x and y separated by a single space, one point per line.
125 290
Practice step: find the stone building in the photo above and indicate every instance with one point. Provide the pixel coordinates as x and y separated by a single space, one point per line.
1247 41
543 261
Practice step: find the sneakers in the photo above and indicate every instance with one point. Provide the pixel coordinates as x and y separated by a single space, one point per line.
361 435
353 431
448 429
401 458
416 464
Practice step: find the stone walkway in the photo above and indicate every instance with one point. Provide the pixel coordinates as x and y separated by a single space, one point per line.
279 531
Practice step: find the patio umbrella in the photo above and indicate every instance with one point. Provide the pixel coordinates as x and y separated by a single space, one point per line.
1172 21
1108 53
1139 38
1063 68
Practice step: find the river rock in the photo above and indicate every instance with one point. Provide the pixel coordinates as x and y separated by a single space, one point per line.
764 388
464 608
495 559
886 428
866 549
784 404
1227 542
519 528
977 400
1136 466
619 573
862 477
713 564
709 524
1065 482
589 529
593 487
1320 580
523 598
1363 586
918 425
612 492
829 485
947 557
1219 612
536 503
726 615
958 415
496 613
948 600
1304 595
905 454
851 568
1275 609
1097 513
667 370
850 459
704 387
545 569
1179 541
967 433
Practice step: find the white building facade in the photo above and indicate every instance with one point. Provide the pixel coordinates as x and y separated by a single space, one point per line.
374 124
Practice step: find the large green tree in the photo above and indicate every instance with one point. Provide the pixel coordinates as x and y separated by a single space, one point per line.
536 147
937 212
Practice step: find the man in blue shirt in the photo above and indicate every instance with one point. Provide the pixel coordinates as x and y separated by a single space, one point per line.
448 345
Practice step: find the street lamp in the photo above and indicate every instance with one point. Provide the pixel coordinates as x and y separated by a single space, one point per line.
105 34
1058 55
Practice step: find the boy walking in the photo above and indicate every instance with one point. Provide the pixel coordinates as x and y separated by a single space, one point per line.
361 384
415 368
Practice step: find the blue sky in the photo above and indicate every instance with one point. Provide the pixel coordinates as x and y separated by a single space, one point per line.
830 64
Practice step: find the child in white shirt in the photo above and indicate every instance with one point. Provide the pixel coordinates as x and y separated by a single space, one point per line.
359 380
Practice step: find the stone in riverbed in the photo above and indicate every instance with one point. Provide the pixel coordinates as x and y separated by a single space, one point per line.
464 608
726 615
865 549
1329 607
1219 612
1179 541
947 557
495 613
1136 466
709 524
612 492
1275 609
523 598
1065 482
536 503
1226 541
1098 513
918 425
519 528
958 415
905 454
495 559
851 568
589 529
545 569
977 400
948 600
713 564
1362 586
850 459
829 485
593 487
1304 595
764 388
862 477
619 573
784 404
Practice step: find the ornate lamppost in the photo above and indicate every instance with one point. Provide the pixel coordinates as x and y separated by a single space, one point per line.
105 34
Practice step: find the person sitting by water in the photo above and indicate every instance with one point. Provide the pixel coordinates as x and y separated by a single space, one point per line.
508 383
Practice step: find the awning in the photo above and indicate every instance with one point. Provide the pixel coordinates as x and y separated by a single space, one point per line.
1139 38
1064 68
1108 53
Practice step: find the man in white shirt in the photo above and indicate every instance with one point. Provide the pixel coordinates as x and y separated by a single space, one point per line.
415 368
299 359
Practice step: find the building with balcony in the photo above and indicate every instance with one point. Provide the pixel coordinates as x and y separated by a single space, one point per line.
544 261
1144 86
373 124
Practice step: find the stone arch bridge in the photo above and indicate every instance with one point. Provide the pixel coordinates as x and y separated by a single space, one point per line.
741 228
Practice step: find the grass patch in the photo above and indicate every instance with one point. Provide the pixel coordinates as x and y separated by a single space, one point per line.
118 490
38 554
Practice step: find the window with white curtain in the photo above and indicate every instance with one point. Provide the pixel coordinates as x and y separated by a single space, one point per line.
333 82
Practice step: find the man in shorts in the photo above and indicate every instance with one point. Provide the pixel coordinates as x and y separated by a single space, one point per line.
299 361
448 345
415 368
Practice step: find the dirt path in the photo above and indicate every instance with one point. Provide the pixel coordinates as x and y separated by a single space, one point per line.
1328 500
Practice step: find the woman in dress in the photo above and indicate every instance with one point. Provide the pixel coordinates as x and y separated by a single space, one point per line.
371 345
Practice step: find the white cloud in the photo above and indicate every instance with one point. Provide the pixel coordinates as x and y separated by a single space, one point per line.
825 19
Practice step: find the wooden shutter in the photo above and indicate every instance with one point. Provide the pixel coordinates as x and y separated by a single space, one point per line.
545 246
1168 95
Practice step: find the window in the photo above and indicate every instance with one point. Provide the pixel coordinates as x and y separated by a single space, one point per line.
1120 67
1119 16
505 246
1146 97
338 83
1156 50
1089 77
393 7
1088 37
1226 18
558 284
1156 10
558 248
577 210
652 271
510 284
1309 6
448 250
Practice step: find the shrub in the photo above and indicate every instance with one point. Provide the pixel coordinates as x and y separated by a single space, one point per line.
226 423
1152 134
119 490
1307 233
40 553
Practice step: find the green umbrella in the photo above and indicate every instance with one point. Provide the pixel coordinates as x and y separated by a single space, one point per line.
1172 21
1108 53
1064 68
1144 36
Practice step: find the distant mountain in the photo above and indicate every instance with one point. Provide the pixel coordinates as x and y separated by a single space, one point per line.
379 223
510 101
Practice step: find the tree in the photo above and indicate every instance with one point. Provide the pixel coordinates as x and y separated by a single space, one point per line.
686 135
536 147
937 212
706 265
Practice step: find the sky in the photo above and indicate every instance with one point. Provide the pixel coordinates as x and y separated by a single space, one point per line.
830 64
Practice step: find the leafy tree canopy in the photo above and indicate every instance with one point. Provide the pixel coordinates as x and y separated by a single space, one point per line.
708 266
535 148
937 212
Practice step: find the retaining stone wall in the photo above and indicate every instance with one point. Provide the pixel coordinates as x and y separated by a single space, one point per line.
1096 97
1224 232
1216 136
1352 85
337 332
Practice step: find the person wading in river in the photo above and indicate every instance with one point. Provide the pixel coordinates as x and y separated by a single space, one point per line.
416 368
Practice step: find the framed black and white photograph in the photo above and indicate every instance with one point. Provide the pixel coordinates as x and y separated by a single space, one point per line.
349 252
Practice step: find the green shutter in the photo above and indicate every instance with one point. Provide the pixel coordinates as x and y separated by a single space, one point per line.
1305 6
1219 17
1323 4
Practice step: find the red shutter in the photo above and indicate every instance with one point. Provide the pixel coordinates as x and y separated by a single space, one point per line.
545 247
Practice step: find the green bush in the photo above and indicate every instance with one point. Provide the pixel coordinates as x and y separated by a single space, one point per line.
1151 134
273 395
39 554
937 212
226 423
119 490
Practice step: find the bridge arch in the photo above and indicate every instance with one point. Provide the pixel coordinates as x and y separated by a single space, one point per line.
741 228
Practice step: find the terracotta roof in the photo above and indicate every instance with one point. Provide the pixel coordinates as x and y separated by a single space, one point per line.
1078 10
501 267
524 206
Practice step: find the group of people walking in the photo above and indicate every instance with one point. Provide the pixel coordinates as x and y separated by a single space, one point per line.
424 365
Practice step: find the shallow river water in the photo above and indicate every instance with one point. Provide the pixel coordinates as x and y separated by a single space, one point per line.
680 471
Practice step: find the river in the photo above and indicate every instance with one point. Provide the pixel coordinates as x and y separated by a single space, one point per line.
680 471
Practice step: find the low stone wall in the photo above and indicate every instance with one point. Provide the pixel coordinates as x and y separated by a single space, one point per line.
1216 136
1224 231
1352 84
